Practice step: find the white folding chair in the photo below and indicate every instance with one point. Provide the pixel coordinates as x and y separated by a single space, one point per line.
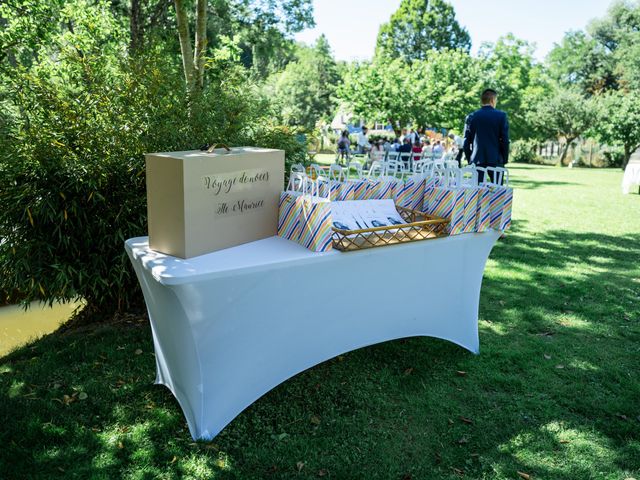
392 156
337 173
395 169
406 158
376 170
357 166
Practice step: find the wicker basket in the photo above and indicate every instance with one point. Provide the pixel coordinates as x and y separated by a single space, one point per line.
419 226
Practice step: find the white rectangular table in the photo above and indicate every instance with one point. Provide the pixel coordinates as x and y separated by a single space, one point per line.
231 325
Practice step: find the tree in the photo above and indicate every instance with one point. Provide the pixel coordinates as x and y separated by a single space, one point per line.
376 91
304 89
619 122
566 114
580 61
192 64
511 70
419 26
445 88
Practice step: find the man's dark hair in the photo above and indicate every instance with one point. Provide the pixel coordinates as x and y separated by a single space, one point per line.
488 96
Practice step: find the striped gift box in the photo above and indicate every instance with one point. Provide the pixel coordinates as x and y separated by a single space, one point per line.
411 193
290 207
315 226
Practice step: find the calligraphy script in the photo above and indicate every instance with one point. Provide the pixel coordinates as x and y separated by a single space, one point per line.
238 192
227 183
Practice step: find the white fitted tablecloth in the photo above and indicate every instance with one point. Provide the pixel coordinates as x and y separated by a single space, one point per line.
631 177
231 325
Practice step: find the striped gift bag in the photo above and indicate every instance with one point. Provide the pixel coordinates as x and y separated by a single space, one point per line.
382 188
290 207
430 185
411 193
471 197
483 216
500 207
360 187
315 225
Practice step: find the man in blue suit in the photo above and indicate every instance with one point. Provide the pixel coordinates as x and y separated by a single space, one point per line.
486 134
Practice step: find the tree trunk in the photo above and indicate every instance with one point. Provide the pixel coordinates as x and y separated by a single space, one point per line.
185 46
565 150
201 41
135 26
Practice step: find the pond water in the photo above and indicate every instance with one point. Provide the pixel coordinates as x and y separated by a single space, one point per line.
18 326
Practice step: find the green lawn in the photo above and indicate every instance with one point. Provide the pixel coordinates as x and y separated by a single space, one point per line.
554 394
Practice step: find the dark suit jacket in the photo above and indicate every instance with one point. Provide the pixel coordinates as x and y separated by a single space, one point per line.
486 137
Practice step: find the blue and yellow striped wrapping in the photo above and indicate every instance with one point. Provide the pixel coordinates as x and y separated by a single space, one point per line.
382 189
411 193
290 207
315 226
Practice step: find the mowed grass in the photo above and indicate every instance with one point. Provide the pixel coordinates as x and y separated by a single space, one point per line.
554 393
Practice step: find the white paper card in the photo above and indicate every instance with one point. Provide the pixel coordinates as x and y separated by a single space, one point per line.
359 214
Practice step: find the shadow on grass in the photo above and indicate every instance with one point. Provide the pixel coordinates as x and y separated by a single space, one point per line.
554 392
529 184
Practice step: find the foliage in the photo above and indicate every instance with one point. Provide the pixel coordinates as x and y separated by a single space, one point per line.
303 91
605 57
262 28
444 88
72 185
393 410
419 26
580 61
376 91
519 81
619 122
523 151
566 114
437 91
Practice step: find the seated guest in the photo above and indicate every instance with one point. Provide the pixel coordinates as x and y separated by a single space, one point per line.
417 150
396 145
406 146
386 145
427 148
438 150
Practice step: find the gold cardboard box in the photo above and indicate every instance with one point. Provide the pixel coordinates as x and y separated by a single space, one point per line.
200 202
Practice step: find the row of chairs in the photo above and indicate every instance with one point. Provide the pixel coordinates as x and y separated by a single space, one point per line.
449 171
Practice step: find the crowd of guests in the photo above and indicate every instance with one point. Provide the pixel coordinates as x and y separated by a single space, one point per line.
409 141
